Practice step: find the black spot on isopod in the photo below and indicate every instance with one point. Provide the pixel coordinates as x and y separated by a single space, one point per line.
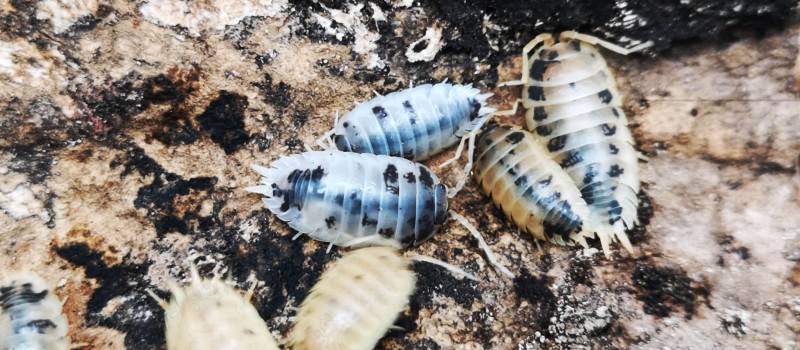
572 85
543 130
546 182
613 149
330 221
515 137
614 211
538 68
615 112
521 181
576 45
379 112
387 232
512 172
615 171
539 113
572 158
410 177
425 177
41 326
317 173
591 172
24 294
552 55
474 108
390 174
609 129
605 96
366 221
536 93
345 124
557 143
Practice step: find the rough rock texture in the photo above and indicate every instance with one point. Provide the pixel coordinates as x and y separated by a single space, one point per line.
127 130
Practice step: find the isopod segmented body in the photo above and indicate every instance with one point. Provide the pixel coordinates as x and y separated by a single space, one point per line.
531 189
415 123
355 301
574 108
30 315
208 314
354 199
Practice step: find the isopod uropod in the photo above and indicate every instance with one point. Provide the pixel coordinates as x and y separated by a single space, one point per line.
358 199
533 191
354 199
30 315
357 300
574 108
209 314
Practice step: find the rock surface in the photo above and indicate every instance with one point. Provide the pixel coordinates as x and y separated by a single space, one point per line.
127 130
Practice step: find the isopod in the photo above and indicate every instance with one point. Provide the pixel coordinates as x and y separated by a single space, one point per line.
574 108
517 173
351 198
357 199
30 315
414 123
356 301
209 314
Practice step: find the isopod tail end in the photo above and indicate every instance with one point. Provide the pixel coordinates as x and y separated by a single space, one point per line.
605 237
619 233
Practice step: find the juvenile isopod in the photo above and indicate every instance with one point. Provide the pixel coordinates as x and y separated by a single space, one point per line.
356 301
414 123
208 314
574 108
357 199
30 315
532 190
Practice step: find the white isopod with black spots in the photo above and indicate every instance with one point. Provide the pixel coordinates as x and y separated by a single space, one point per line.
357 300
359 199
356 199
415 123
518 175
574 109
208 314
30 315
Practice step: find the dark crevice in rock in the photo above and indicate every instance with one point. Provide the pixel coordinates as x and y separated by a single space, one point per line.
142 329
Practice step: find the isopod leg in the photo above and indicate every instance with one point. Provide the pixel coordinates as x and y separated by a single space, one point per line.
457 155
462 179
511 111
482 243
597 41
450 267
